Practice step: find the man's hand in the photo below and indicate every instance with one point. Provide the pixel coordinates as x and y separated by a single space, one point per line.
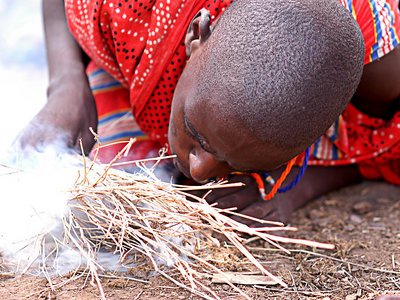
246 199
70 109
66 117
316 181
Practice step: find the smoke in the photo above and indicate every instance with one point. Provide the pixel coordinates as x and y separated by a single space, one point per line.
34 188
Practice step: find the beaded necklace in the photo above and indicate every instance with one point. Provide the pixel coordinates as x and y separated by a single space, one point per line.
277 185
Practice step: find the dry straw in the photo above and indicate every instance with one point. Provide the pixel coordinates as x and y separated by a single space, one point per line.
137 216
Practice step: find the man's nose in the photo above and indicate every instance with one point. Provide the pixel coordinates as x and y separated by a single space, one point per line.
203 166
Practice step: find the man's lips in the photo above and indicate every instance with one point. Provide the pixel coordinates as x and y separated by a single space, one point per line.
183 170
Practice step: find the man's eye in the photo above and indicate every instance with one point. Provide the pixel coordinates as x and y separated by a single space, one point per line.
204 144
187 129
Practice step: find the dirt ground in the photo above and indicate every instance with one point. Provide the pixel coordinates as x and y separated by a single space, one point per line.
362 221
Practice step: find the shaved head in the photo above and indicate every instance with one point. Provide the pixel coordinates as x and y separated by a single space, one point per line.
285 68
261 86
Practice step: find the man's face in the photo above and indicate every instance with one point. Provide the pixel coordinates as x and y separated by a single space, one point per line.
195 157
208 141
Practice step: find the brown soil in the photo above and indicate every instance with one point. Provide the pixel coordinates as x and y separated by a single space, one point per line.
362 221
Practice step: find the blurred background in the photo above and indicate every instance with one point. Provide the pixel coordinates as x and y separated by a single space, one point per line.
23 72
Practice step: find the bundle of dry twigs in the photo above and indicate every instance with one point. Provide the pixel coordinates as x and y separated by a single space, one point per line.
135 214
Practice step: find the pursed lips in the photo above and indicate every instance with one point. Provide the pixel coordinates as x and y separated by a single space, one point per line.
179 166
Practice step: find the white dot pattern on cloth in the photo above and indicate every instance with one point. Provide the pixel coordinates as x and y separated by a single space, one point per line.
114 41
372 143
138 42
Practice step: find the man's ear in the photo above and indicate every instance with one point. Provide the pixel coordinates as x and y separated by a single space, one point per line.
198 32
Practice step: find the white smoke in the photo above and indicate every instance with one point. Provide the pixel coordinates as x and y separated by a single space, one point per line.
35 187
35 197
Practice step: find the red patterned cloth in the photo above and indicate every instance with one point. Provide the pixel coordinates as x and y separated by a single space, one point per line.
379 22
141 44
372 143
116 125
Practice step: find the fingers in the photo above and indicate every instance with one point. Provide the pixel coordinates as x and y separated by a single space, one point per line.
223 195
32 136
37 136
247 201
260 209
239 200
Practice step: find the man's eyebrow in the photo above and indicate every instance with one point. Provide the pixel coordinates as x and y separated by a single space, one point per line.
193 133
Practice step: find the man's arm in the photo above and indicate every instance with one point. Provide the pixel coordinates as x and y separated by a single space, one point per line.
70 109
64 55
378 93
